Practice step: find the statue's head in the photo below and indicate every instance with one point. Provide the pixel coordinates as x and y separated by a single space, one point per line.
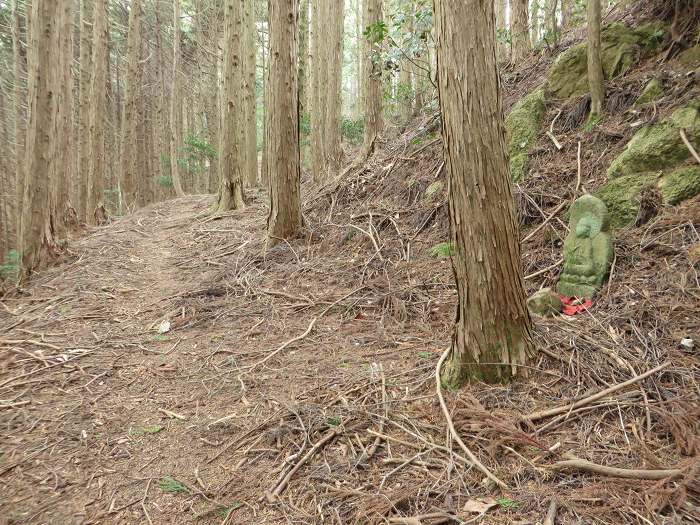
585 226
588 217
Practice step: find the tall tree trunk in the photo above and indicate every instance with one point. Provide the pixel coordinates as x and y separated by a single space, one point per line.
319 87
567 7
372 80
519 33
334 97
19 119
282 123
231 160
500 28
41 153
596 81
249 54
130 115
304 54
98 114
550 19
492 329
162 115
265 54
535 22
357 107
64 162
84 104
176 105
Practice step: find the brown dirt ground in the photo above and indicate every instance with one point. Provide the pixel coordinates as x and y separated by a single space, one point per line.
105 420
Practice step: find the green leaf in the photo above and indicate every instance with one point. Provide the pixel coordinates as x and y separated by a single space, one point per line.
172 486
442 250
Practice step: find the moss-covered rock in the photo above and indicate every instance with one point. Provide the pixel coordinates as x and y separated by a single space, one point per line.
522 125
659 147
620 47
681 184
652 91
621 195
690 57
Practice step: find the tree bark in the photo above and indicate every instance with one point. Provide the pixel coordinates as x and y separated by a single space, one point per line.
550 18
20 132
130 113
334 100
86 9
98 114
249 54
176 105
282 123
41 153
492 329
319 87
596 81
519 33
535 22
500 28
231 160
372 80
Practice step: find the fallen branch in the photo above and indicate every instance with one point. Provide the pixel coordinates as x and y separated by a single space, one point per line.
271 496
453 431
689 146
551 513
542 225
252 367
535 416
574 463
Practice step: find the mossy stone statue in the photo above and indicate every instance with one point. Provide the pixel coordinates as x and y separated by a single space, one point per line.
588 249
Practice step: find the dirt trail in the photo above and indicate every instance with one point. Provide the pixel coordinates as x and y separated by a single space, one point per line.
87 429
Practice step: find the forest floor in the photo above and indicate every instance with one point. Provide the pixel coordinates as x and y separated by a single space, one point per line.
328 344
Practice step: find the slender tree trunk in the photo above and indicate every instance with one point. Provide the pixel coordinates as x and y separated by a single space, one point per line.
535 22
500 28
84 103
64 166
596 81
551 20
372 80
98 113
566 13
519 33
334 97
304 54
130 114
492 330
20 133
357 108
250 52
282 123
176 105
319 86
265 54
231 160
41 155
162 144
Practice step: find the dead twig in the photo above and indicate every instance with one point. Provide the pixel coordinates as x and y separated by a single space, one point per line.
252 367
574 463
535 416
453 431
689 146
272 495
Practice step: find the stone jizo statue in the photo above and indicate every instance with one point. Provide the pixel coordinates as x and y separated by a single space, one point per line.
588 249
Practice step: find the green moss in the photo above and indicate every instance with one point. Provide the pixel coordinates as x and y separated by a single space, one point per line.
660 146
522 125
620 47
690 57
680 184
433 189
620 196
651 92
